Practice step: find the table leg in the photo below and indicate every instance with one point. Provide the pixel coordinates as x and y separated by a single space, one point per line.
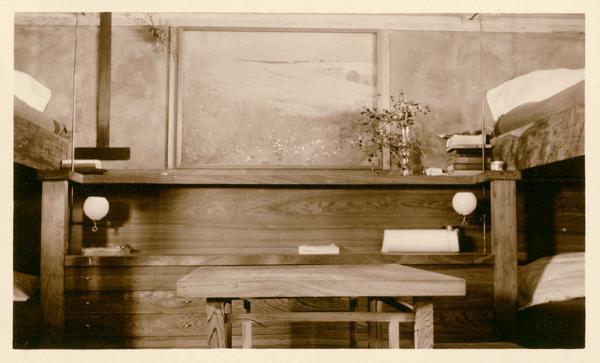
375 329
394 334
423 322
353 328
247 328
218 329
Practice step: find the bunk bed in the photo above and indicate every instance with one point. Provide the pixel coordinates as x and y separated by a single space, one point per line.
40 143
539 130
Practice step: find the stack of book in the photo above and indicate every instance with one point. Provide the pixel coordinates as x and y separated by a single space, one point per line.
468 155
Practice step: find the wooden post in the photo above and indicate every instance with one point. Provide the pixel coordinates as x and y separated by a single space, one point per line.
423 322
375 329
353 328
247 328
218 329
504 247
54 239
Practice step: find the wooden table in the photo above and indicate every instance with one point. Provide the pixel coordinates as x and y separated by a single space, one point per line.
220 284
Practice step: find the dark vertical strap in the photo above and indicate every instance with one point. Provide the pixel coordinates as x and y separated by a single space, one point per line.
103 121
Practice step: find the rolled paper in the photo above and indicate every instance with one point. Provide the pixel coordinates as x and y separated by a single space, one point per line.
420 240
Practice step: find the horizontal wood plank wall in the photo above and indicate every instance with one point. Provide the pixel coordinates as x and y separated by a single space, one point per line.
136 306
164 221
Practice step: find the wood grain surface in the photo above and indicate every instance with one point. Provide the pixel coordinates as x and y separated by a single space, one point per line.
504 244
54 238
424 322
192 221
286 176
317 280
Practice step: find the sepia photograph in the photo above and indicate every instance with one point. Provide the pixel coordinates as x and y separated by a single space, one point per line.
293 180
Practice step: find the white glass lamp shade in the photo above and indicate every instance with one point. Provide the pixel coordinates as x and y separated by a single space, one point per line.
95 208
464 203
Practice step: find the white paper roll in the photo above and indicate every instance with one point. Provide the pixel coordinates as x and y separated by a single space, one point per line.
420 240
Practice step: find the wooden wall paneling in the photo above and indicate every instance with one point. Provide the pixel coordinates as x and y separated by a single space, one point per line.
135 302
124 278
135 325
504 246
239 220
54 239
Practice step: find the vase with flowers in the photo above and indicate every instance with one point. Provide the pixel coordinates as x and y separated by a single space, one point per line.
394 129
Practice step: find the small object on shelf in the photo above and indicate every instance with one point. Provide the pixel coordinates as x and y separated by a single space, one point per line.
420 240
106 251
84 166
464 203
466 142
330 249
498 165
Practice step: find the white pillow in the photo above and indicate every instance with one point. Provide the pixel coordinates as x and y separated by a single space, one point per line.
24 286
556 278
30 91
531 87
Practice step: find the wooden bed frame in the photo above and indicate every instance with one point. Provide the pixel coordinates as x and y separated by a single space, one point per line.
59 268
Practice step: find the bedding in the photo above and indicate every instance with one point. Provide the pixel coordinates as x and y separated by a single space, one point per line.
552 302
534 133
531 87
40 142
30 91
554 278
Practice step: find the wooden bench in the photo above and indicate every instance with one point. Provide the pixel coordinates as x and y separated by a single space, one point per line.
221 284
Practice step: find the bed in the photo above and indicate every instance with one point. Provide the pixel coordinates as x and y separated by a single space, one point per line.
40 141
552 302
539 127
545 122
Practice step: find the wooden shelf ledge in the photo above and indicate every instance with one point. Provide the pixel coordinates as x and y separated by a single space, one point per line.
278 177
280 259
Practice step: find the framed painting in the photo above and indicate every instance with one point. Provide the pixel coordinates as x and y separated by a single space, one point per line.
273 98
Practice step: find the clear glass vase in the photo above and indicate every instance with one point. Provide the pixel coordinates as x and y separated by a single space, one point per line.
407 150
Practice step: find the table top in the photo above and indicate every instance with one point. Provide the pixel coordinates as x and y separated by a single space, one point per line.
317 281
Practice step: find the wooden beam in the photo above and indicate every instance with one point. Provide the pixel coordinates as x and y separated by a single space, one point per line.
54 238
504 247
329 316
104 79
530 23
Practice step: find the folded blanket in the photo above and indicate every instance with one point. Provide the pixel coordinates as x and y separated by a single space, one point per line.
27 113
531 87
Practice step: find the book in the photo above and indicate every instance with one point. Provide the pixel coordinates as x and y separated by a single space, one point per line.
455 167
469 152
471 159
466 141
464 172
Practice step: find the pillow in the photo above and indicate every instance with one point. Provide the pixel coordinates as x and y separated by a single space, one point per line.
30 91
554 278
534 111
531 87
24 286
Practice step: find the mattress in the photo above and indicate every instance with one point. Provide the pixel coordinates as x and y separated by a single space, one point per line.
555 137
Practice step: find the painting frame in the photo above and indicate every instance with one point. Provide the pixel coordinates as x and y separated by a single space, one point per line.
381 66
